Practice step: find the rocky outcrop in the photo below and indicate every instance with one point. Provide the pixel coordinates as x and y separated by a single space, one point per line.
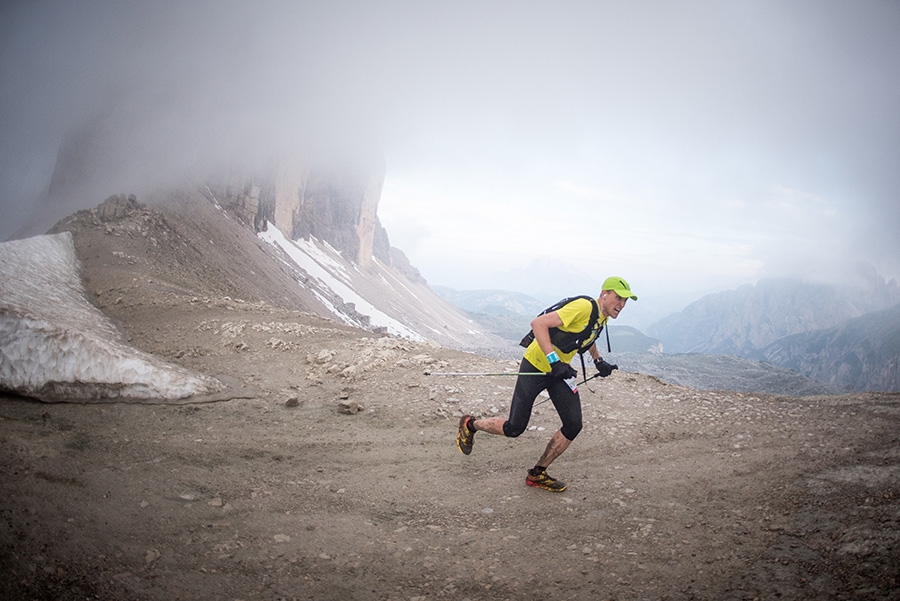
334 201
291 177
117 206
339 206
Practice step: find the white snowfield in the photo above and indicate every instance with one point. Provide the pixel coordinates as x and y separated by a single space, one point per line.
329 273
56 346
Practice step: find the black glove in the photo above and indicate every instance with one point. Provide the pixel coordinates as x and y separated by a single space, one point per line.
562 371
603 367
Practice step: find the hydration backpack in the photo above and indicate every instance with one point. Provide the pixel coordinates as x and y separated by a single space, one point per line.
571 341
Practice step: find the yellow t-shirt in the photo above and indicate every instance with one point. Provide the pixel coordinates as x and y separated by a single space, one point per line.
575 317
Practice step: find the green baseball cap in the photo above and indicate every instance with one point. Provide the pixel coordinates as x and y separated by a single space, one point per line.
619 286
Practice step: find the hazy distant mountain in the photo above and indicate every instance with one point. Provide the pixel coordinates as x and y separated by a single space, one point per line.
625 339
740 322
493 302
751 322
862 354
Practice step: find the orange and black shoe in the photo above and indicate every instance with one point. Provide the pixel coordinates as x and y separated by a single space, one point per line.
465 437
542 480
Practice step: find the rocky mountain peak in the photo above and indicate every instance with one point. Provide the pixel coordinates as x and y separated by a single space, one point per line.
333 202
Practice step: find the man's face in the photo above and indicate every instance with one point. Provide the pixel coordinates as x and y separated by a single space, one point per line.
611 304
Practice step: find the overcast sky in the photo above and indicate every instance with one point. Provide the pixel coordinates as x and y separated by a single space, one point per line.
687 146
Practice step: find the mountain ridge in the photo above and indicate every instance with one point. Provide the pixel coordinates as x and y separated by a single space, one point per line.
776 319
742 321
169 231
862 354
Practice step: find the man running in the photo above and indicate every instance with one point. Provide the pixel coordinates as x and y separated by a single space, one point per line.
558 336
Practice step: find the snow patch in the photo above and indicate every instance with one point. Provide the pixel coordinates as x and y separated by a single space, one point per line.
334 267
56 346
325 269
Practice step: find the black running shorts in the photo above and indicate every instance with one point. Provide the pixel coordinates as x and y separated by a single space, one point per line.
567 402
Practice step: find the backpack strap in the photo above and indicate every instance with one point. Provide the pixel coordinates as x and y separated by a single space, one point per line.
569 341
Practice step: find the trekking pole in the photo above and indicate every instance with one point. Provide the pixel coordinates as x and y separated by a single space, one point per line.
503 373
586 380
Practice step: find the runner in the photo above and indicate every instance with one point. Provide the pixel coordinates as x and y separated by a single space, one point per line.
556 336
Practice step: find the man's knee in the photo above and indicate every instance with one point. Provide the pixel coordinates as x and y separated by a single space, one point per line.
512 431
571 429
